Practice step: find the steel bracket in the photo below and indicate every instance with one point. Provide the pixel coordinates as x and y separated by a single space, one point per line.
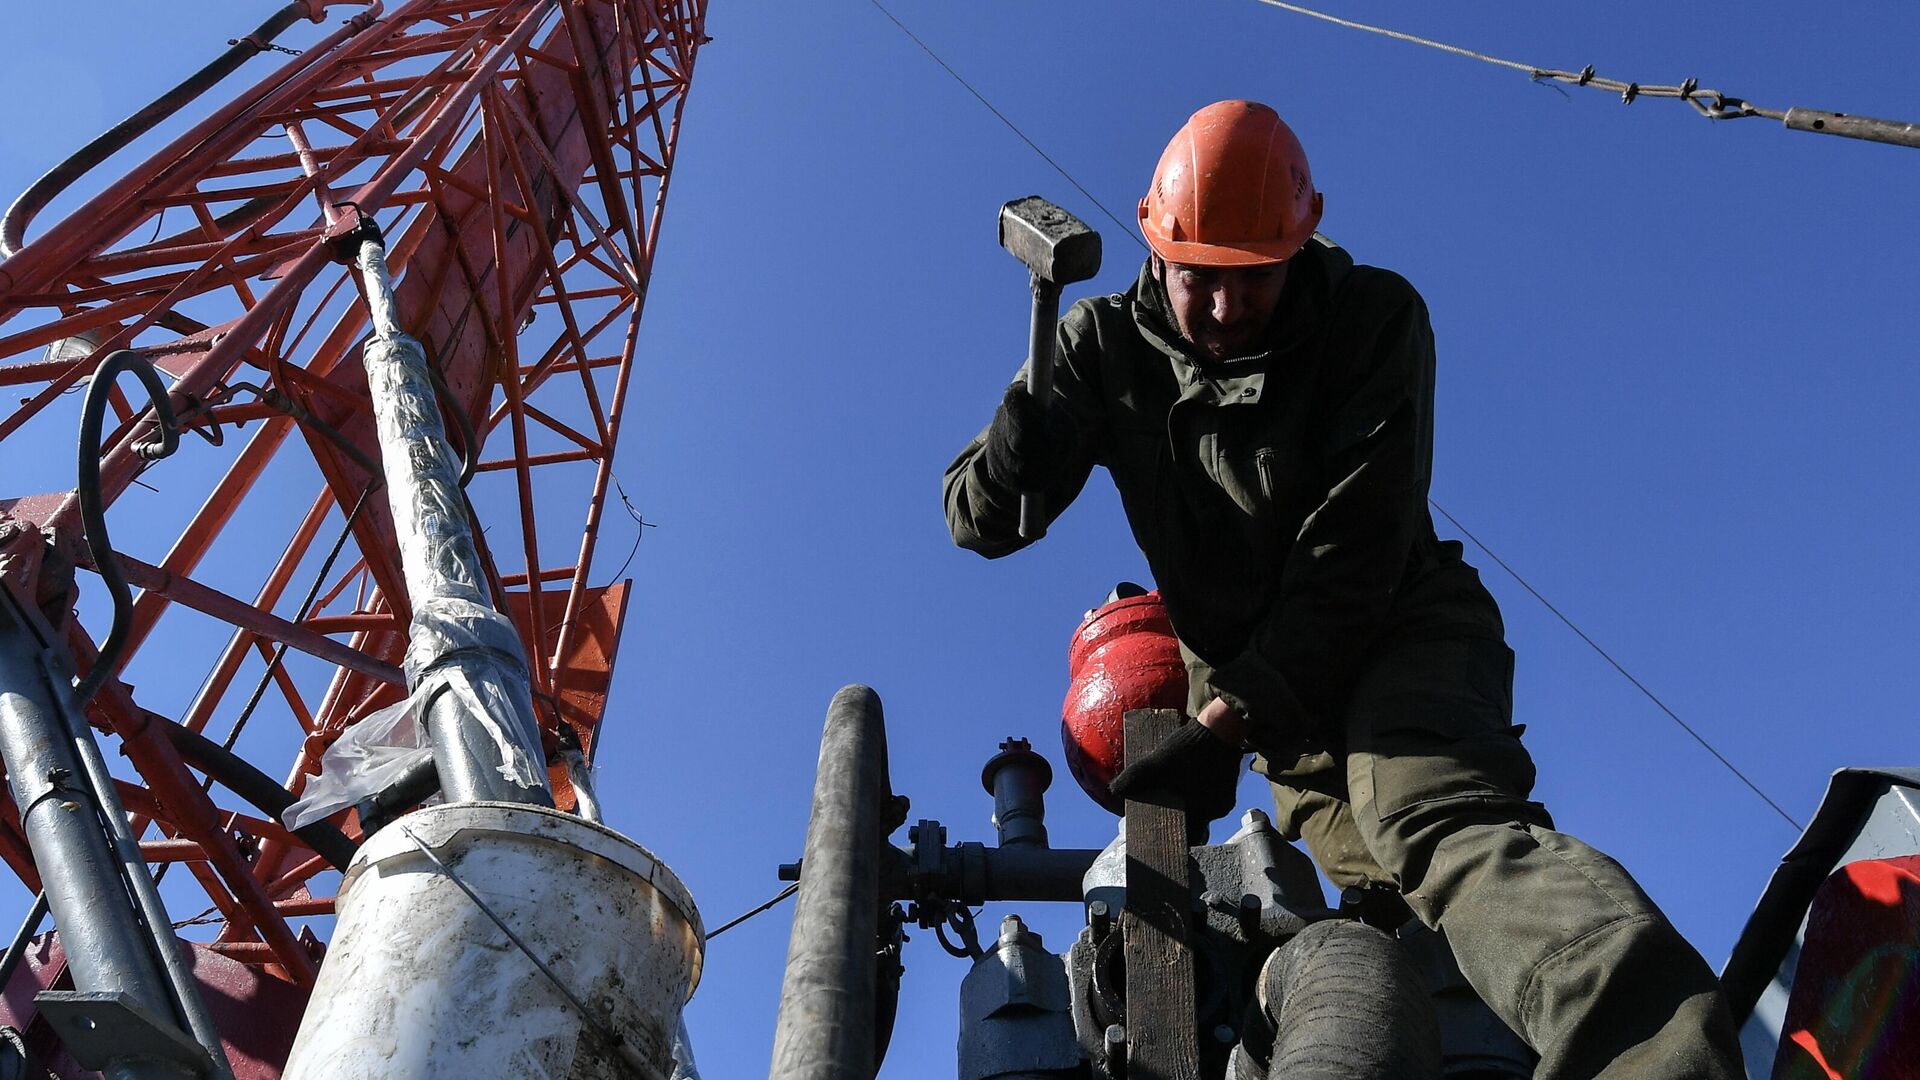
101 1027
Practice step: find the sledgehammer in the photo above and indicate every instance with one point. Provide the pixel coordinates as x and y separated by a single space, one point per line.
1058 249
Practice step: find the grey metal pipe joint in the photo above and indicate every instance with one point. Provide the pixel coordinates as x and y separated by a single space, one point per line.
1018 779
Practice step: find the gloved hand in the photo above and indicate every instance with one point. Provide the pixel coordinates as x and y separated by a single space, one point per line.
1027 444
1193 763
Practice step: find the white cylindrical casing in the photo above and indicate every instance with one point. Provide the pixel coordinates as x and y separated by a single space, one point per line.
418 982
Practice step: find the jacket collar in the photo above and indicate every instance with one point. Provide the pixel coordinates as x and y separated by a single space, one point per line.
1311 277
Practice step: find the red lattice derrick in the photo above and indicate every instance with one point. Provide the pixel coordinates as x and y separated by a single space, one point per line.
516 156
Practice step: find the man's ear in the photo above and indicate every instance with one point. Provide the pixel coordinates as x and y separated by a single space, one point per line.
1159 268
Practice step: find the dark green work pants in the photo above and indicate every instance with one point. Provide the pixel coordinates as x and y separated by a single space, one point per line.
1426 791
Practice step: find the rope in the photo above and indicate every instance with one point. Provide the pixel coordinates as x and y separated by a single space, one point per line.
1686 90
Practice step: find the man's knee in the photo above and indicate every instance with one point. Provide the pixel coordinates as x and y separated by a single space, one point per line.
1425 846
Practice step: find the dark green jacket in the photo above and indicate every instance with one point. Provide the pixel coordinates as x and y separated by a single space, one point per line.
1280 499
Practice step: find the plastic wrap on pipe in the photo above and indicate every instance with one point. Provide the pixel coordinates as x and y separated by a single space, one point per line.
459 649
437 553
475 653
372 755
683 1066
465 662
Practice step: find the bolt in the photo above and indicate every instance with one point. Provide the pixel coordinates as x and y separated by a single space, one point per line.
1100 917
1224 1035
1116 1049
1255 819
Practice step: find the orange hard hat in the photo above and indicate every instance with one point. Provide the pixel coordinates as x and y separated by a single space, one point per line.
1232 189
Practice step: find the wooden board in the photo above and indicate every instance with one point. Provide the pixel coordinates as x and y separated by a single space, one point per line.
1163 1039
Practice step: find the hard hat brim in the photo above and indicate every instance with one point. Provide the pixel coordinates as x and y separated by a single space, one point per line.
1188 253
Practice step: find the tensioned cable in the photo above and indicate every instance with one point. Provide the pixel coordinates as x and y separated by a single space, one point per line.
1617 666
1711 104
1128 230
1011 126
738 919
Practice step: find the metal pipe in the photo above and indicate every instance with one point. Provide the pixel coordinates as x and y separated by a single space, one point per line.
146 894
486 739
977 874
106 947
580 775
22 938
1018 778
825 1030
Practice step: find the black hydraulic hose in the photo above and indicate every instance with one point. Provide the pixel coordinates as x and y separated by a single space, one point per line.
420 782
93 514
828 996
469 441
1343 999
13 227
260 790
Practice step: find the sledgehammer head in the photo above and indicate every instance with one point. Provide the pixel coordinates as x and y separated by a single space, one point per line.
1054 244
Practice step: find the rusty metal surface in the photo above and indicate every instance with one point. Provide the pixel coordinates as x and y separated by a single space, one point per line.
257 1013
585 672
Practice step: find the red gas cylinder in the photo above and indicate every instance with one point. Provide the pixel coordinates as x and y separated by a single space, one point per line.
1124 656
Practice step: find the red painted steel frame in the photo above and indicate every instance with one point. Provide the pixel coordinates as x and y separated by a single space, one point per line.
516 155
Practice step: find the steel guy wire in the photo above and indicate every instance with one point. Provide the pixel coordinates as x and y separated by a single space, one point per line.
280 652
1711 104
1617 666
1011 126
596 1023
1715 106
1128 230
738 919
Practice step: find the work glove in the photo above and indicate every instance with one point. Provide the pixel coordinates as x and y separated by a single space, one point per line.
1194 764
1027 444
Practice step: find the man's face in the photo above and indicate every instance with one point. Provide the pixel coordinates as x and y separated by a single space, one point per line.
1223 312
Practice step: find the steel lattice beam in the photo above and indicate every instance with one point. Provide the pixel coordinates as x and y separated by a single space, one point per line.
516 155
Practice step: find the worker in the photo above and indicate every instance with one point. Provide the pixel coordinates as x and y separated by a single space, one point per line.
1265 408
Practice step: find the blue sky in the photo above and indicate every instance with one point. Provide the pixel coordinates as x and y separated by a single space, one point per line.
1676 387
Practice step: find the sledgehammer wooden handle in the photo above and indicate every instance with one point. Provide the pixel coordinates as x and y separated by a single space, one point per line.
1046 312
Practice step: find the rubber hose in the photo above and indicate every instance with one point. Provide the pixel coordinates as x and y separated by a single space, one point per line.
93 511
13 226
236 775
1346 1004
828 995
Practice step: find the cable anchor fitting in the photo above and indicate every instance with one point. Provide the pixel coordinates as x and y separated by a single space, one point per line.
350 229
